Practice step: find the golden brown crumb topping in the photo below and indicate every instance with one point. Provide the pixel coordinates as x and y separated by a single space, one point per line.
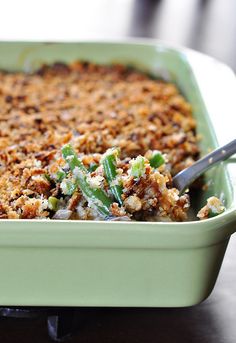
213 207
94 107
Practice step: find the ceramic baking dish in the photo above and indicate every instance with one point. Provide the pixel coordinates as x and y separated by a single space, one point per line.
78 263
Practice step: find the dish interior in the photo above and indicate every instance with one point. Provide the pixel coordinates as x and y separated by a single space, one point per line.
165 63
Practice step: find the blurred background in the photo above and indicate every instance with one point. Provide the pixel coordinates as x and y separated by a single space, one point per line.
205 25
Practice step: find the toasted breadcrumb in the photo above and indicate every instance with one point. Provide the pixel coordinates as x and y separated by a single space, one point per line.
213 207
95 107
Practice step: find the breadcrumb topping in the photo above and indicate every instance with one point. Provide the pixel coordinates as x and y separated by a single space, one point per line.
212 208
94 107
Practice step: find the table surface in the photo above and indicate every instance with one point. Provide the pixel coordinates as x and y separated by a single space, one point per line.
205 25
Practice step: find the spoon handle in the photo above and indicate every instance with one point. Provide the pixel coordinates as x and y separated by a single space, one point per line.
187 176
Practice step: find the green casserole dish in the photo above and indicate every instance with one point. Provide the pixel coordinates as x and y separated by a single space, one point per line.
97 263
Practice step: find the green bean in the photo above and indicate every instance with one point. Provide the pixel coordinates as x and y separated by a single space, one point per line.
157 159
71 158
92 167
68 186
95 196
109 163
47 177
60 175
53 203
138 167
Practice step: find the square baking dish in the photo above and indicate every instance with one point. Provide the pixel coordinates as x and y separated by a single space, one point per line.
91 263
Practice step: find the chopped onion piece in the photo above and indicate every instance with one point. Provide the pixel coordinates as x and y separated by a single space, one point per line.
62 214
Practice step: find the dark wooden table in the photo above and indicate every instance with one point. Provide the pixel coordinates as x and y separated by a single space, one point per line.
205 25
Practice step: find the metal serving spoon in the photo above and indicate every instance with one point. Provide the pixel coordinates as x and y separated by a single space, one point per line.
183 179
